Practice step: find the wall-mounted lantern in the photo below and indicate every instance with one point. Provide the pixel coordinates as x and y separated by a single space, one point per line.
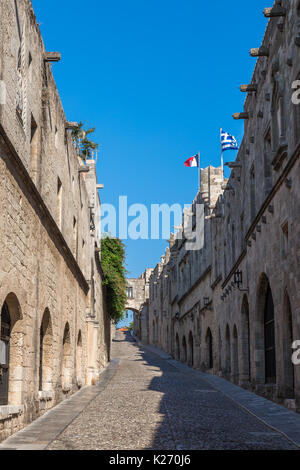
238 281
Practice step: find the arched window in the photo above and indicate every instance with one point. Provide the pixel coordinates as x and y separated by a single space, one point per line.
12 349
79 377
209 350
67 365
269 327
276 116
46 354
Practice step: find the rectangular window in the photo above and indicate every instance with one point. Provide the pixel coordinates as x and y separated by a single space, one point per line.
129 292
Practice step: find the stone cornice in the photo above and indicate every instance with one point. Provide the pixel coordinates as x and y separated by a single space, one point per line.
21 175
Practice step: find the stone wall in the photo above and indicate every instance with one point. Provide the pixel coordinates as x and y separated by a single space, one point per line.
197 312
50 273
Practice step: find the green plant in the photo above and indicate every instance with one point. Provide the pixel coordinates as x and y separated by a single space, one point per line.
84 146
113 265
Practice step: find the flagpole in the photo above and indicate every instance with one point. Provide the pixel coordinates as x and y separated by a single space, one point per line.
199 174
222 160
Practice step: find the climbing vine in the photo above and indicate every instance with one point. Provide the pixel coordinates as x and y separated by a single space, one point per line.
113 265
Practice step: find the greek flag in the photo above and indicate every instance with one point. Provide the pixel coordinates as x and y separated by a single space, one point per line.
228 142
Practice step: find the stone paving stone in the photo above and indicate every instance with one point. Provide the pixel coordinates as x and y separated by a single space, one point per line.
152 404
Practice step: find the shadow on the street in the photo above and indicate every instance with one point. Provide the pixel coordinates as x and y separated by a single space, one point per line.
196 416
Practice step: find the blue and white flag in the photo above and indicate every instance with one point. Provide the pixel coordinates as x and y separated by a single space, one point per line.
228 142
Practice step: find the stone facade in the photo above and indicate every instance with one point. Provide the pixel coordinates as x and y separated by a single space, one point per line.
55 332
197 310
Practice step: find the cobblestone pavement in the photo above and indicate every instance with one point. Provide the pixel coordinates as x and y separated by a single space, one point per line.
151 404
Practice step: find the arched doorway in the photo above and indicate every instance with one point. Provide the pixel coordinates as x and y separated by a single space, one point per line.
5 344
67 365
12 342
245 341
270 347
220 350
287 341
235 355
209 350
191 350
177 348
46 354
183 356
228 351
79 377
167 340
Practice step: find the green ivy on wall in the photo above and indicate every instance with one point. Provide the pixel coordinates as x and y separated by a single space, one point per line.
113 265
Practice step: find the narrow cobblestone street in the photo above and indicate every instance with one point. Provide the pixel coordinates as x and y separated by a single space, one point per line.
153 402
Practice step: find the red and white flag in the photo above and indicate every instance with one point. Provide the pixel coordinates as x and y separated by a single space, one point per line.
193 162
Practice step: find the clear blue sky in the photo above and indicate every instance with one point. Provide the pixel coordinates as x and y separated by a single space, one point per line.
158 79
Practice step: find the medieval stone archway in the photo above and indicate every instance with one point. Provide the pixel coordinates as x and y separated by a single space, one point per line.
79 374
228 351
177 348
209 350
287 385
265 347
245 342
12 343
46 353
191 350
67 362
235 355
183 356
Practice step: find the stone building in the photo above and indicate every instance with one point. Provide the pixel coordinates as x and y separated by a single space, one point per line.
233 307
55 332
